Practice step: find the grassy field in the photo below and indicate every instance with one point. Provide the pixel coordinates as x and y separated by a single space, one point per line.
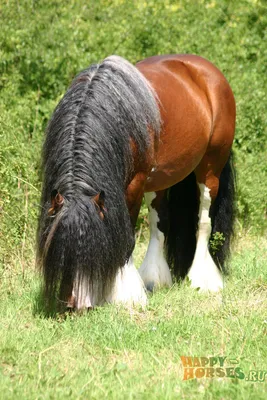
113 352
117 353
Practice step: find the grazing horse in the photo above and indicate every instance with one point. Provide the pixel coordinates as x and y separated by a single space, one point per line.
163 129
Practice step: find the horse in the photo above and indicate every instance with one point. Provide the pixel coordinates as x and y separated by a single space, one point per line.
162 129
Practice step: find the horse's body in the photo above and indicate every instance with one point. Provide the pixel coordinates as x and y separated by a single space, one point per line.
182 163
198 114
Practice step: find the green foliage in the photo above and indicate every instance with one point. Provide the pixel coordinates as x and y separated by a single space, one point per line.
216 242
43 44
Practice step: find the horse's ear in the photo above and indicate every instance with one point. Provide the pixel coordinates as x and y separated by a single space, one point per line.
99 200
57 201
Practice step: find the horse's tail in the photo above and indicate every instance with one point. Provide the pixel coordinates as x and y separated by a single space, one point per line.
222 212
183 204
180 239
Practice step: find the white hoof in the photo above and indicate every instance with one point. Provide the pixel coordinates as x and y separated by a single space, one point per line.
155 271
128 287
83 297
206 276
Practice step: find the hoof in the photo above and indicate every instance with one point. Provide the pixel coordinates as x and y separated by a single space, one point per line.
150 286
72 306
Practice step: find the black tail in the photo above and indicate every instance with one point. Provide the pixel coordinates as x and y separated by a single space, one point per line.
183 206
222 212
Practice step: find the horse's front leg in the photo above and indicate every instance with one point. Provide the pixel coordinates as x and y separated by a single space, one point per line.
128 287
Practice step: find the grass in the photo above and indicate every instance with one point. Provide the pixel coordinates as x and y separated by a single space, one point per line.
117 353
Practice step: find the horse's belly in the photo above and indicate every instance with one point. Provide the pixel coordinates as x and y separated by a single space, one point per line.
187 126
172 170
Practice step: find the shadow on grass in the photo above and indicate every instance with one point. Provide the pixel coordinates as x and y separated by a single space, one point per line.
48 309
41 307
55 309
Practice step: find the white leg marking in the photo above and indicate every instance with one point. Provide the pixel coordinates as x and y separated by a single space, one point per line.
81 293
203 273
154 269
128 287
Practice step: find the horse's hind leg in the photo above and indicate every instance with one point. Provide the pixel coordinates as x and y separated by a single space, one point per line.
204 273
154 269
216 214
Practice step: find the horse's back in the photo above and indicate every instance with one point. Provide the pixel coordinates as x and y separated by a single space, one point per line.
197 109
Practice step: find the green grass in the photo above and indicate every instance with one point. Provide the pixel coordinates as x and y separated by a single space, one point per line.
118 353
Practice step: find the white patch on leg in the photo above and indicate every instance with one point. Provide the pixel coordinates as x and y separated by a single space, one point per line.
154 270
204 273
81 293
128 287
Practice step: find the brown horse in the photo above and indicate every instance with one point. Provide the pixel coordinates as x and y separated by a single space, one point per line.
164 129
198 113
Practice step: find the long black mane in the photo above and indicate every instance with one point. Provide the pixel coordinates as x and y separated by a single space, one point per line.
87 151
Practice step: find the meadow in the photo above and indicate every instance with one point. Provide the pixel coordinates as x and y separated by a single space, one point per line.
113 352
